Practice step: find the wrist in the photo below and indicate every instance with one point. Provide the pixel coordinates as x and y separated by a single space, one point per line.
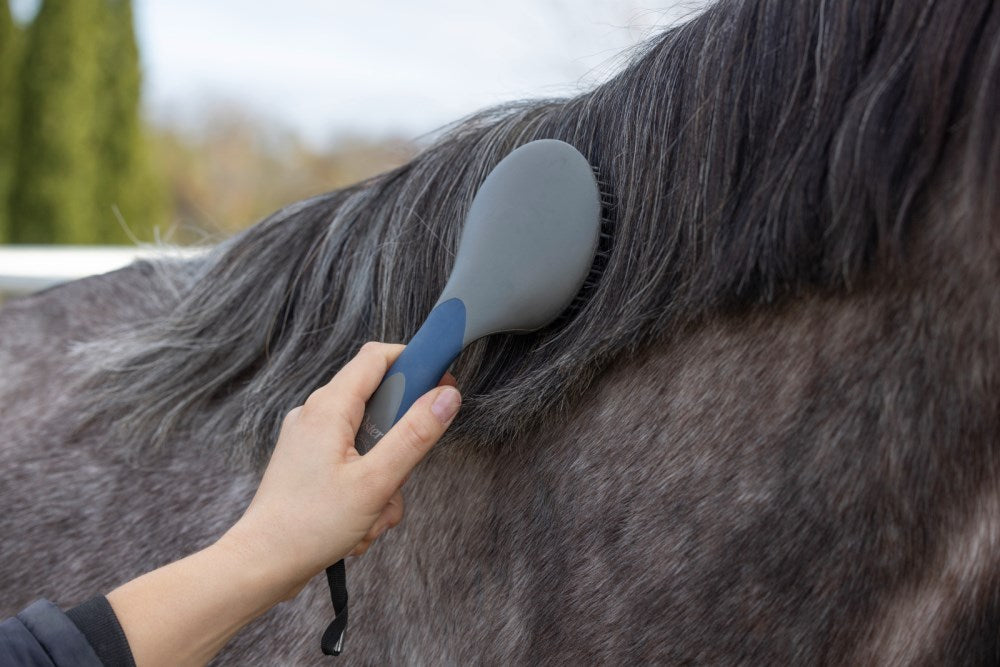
184 612
270 575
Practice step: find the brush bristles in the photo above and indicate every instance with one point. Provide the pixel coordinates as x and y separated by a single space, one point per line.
605 243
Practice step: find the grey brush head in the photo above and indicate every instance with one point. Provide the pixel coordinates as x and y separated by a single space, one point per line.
529 240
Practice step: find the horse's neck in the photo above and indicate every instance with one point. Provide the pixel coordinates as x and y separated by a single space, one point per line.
782 472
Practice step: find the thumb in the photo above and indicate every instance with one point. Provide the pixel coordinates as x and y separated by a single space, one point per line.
409 440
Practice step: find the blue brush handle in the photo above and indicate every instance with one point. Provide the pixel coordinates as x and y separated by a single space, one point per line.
416 371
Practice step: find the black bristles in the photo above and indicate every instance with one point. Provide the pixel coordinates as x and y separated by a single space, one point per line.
605 245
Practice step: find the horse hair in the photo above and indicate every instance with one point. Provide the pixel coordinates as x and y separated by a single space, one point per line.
759 150
768 436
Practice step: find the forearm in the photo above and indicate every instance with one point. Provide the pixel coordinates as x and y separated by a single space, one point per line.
318 501
185 612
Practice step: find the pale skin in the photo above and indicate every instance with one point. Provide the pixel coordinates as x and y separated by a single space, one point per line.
318 501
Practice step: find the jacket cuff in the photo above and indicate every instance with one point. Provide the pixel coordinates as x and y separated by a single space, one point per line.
97 621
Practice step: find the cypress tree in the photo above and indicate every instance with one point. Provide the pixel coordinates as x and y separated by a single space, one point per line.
126 185
9 55
53 199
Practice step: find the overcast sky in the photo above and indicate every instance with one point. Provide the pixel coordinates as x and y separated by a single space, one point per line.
326 67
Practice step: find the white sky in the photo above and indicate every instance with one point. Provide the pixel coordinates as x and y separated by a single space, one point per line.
330 67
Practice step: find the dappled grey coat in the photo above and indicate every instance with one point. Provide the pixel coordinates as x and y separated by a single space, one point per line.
770 436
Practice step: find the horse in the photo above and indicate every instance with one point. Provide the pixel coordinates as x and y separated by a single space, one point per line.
768 435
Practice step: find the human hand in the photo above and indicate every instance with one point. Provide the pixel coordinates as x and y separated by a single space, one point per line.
319 500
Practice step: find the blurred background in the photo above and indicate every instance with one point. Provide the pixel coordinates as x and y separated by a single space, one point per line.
186 120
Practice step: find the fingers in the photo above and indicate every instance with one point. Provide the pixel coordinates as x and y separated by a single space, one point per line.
346 394
406 443
362 374
361 547
349 390
390 517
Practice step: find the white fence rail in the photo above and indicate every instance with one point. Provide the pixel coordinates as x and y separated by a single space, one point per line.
27 268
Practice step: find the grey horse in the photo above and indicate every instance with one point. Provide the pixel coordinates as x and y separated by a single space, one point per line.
768 436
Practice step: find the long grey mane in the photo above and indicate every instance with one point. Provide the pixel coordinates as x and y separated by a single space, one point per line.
758 151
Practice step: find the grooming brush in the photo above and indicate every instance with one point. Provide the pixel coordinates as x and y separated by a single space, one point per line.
530 241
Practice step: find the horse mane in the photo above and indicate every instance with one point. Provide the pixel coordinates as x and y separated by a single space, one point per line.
762 149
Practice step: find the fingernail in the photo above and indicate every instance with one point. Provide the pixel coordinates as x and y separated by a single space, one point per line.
446 404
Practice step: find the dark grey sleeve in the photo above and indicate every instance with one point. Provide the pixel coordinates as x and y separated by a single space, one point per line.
42 636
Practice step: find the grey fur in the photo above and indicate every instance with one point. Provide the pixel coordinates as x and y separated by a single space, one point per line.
768 437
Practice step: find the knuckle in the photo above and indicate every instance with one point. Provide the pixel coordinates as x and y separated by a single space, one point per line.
315 403
311 400
417 431
370 348
291 416
305 414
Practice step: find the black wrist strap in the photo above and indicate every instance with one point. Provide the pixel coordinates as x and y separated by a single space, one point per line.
333 639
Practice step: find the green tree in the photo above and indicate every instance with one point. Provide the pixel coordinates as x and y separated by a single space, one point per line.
57 167
9 56
127 186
